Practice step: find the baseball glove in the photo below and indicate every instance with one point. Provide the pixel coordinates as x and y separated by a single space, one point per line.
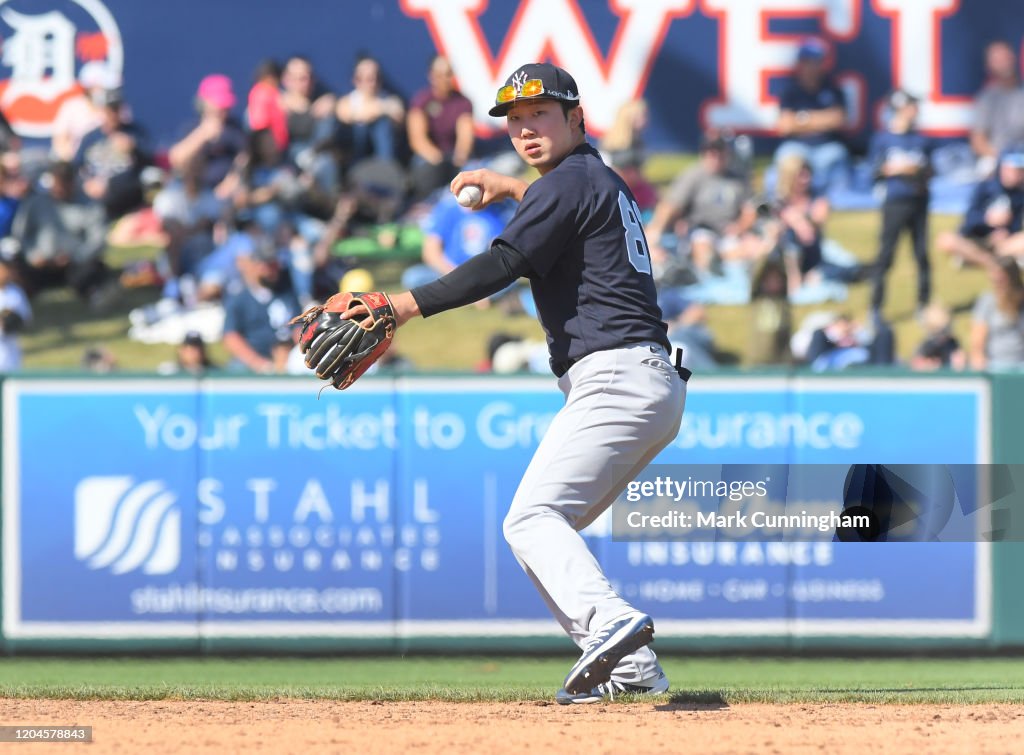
342 350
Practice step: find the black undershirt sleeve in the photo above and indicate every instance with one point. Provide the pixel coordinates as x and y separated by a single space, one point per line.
479 277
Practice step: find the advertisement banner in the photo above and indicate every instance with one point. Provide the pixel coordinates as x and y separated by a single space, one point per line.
171 508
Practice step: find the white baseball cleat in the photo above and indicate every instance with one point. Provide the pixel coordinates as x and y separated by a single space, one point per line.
657 685
603 651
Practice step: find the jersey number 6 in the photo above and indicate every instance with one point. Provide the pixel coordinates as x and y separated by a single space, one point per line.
636 244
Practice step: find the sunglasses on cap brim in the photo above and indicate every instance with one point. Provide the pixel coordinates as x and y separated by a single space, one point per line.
509 93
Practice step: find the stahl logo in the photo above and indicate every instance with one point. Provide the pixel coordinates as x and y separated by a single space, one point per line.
43 50
123 526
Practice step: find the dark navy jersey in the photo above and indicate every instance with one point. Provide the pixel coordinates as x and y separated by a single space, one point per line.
911 148
985 195
579 229
794 97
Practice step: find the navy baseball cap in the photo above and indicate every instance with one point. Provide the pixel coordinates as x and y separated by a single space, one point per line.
812 48
535 80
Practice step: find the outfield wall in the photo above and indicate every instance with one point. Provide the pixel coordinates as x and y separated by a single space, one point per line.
230 514
699 63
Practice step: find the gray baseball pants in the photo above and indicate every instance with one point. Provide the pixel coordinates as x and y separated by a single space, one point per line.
622 407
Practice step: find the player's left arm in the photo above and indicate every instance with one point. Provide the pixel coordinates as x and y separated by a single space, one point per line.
478 278
528 247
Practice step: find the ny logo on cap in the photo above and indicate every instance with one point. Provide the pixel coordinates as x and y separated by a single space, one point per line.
518 79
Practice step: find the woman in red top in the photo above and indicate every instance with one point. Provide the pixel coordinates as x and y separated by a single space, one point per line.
265 110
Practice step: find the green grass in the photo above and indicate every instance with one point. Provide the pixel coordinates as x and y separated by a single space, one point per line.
457 340
695 681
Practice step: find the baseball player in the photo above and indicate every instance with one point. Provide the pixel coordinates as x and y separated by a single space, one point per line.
576 235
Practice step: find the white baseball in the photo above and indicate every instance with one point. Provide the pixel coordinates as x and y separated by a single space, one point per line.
470 196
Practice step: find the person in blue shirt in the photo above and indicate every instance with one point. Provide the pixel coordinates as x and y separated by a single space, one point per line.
993 222
812 112
901 157
257 307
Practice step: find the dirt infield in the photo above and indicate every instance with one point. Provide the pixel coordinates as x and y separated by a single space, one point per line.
299 726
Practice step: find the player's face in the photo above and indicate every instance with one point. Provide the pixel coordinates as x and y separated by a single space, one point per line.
540 132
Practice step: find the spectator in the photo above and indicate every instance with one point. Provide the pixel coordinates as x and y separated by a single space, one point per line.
623 143
99 359
191 358
79 115
370 113
707 205
998 108
803 215
440 130
309 112
261 182
15 315
623 149
328 269
187 212
218 271
997 323
13 188
940 348
216 138
307 103
901 157
269 189
993 222
110 160
812 114
770 314
265 109
451 235
63 236
257 306
844 343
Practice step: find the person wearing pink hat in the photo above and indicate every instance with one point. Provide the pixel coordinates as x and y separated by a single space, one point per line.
216 91
217 138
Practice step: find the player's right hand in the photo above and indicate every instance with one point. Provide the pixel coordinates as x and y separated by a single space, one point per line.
495 186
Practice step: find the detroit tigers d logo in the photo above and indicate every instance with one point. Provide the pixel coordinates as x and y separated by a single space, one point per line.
44 46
